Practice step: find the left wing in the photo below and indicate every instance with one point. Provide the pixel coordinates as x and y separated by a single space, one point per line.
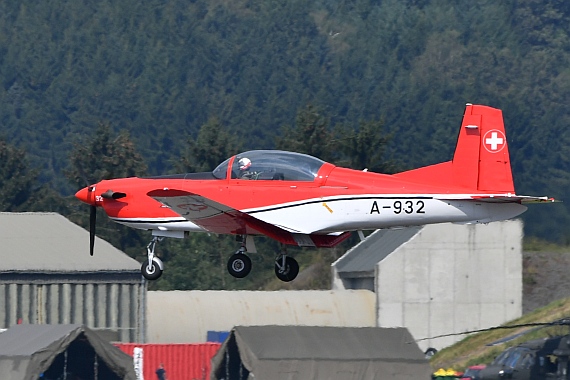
222 219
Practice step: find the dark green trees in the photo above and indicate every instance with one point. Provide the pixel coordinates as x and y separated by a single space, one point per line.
162 70
361 147
213 145
104 156
18 182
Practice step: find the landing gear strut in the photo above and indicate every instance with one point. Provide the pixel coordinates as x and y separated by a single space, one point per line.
239 264
152 267
286 267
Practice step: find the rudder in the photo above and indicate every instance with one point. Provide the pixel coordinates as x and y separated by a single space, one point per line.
481 160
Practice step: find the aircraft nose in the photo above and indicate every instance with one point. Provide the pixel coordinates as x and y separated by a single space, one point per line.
86 195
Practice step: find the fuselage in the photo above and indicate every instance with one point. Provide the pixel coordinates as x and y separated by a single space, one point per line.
337 200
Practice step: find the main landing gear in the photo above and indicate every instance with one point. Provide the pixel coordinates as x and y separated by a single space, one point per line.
239 264
286 268
152 267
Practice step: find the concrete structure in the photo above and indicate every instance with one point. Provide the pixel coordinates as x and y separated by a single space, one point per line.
187 316
48 277
439 279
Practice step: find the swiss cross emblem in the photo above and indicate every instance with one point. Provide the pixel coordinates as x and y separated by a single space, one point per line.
494 141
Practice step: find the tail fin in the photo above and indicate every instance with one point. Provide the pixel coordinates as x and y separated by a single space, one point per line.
481 160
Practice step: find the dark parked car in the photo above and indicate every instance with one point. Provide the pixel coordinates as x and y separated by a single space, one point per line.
473 372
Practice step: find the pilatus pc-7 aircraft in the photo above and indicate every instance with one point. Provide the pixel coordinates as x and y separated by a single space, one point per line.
301 200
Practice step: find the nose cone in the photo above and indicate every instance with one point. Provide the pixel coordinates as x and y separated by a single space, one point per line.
86 195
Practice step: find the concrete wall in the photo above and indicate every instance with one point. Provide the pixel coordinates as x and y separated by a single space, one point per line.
187 316
446 279
452 278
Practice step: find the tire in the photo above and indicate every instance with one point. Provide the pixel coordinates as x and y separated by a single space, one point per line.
239 265
290 272
154 273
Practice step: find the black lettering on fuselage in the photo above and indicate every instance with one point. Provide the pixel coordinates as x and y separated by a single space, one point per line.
375 209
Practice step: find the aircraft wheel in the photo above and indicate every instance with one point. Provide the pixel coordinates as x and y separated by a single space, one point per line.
239 265
289 272
155 270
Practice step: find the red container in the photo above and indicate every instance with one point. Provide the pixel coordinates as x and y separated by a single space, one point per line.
181 361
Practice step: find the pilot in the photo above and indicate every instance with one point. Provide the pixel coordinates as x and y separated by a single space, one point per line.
244 169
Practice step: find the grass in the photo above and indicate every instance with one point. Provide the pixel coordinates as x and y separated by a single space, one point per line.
474 350
533 244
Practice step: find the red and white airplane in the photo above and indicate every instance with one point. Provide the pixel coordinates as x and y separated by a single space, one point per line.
301 200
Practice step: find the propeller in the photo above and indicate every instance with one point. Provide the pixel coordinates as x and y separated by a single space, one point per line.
109 194
83 196
92 224
87 195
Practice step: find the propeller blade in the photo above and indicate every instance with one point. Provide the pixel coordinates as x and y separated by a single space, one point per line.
92 223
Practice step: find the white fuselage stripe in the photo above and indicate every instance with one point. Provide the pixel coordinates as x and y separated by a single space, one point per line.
358 212
373 212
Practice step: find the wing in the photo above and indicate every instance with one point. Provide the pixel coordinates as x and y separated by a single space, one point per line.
221 219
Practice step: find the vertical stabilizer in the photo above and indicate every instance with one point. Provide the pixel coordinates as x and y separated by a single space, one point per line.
481 160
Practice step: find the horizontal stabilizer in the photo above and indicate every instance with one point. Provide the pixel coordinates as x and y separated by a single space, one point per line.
524 199
499 198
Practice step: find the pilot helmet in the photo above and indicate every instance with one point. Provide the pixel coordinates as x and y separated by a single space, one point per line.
244 163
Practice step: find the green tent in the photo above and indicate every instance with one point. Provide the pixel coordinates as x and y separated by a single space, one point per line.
311 352
31 352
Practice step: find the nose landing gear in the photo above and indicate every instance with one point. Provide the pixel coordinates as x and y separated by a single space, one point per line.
152 267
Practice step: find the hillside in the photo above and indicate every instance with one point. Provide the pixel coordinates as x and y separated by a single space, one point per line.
474 349
545 278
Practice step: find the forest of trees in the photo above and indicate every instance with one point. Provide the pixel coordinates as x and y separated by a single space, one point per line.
89 91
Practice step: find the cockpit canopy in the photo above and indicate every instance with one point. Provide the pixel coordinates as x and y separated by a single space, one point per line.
272 165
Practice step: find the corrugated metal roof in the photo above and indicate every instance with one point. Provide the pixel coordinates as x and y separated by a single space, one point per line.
364 256
181 361
49 242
